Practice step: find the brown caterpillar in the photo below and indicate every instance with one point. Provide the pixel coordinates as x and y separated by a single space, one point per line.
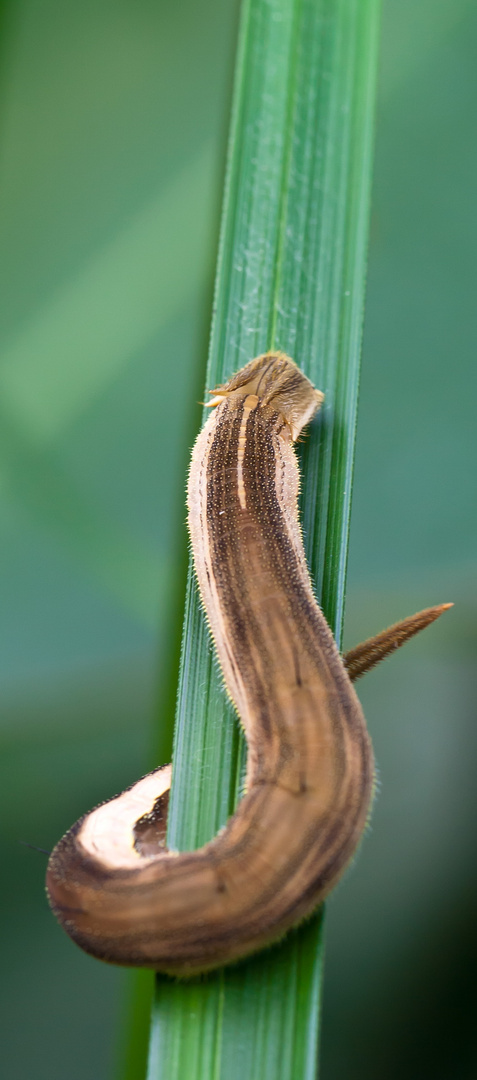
114 886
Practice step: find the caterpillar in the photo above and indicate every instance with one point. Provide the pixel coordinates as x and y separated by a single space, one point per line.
112 883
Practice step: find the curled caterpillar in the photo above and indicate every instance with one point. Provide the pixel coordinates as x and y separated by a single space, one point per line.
114 886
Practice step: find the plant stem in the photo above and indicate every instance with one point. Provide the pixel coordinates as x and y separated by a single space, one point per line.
291 276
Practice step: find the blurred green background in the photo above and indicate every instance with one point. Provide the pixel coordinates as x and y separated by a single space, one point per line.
113 123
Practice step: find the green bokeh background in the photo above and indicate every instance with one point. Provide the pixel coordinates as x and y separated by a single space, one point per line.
113 122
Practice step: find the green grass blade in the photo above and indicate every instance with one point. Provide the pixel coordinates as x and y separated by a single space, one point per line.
291 275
